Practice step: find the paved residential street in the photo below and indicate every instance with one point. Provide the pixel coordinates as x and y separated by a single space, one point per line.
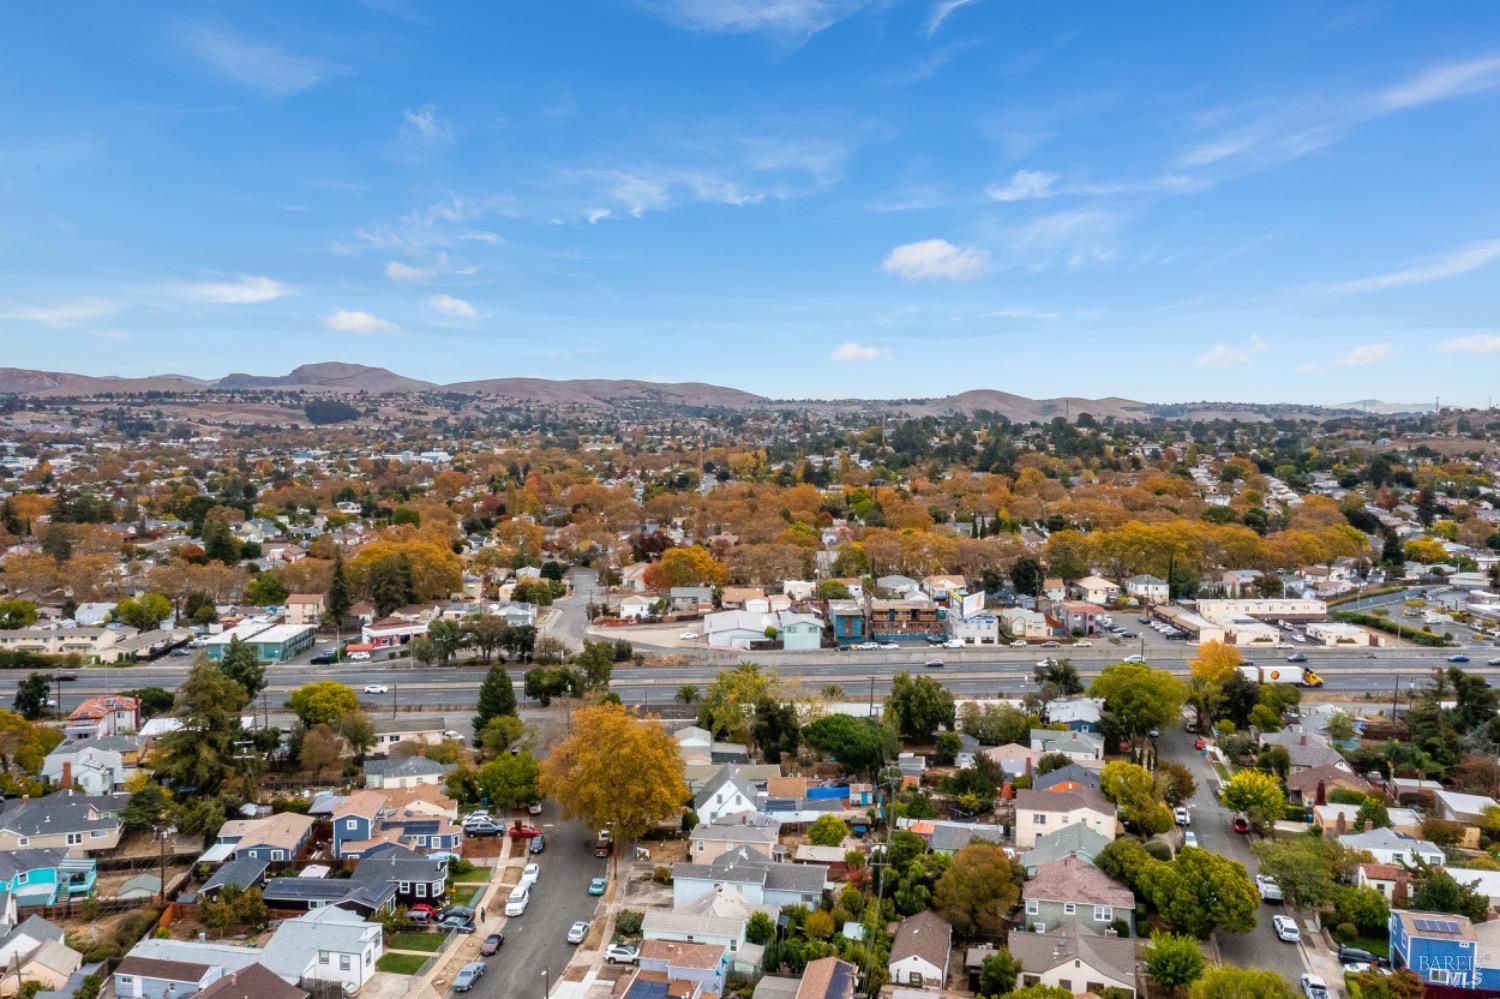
1259 948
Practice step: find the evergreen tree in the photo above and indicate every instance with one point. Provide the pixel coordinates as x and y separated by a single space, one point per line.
218 544
243 666
203 754
337 601
497 697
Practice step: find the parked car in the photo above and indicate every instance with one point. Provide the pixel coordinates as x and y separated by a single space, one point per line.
889 645
359 656
621 953
687 636
520 830
1182 816
321 659
1083 643
1019 643
597 886
954 643
1199 743
492 943
520 895
1354 955
467 976
602 846
421 913
934 664
456 912
1269 890
867 646
174 652
1286 929
457 924
477 815
483 827
534 808
1240 824
537 845
377 688
578 931
1314 987
1189 839
530 873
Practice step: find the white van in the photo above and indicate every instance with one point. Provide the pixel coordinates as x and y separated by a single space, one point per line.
520 895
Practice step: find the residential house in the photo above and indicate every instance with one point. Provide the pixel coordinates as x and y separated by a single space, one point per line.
50 965
736 629
1441 949
950 836
1072 891
1335 820
1042 812
107 714
279 837
355 820
22 939
1076 617
1468 810
1075 744
366 899
703 966
1392 880
633 576
799 632
1054 589
417 878
896 586
760 881
77 823
1075 841
305 609
848 621
897 620
1304 749
243 874
1240 582
1081 714
709 842
944 587
1013 759
1311 786
1073 773
255 981
741 597
404 772
724 796
920 951
90 766
635 607
1075 960
691 599
1387 846
826 978
1097 590
168 969
330 945
1148 589
428 729
719 917
1022 622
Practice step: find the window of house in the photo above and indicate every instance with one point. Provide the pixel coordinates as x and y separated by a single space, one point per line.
74 839
1104 914
278 854
344 963
350 824
1039 927
1039 819
405 887
23 841
23 877
421 889
322 957
1438 976
1033 907
1069 909
98 833
1066 984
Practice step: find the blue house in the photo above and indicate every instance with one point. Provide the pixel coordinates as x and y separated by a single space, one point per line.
1440 948
45 877
847 617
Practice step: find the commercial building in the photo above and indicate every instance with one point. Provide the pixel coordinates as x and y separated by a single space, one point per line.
273 643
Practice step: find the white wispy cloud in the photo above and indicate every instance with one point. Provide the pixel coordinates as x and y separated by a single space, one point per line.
428 230
357 321
247 289
451 306
853 353
1451 264
792 19
251 64
1474 343
424 126
936 259
941 11
396 270
1076 237
1363 356
1019 314
1023 186
1223 355
60 313
1439 83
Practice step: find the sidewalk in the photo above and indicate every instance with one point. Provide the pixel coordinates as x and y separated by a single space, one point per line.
466 947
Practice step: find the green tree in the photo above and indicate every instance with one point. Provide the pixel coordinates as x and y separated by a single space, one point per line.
977 891
219 545
338 598
948 746
322 701
726 707
1306 867
144 612
1173 961
1175 784
1435 890
1133 789
1200 892
243 666
497 696
1230 982
1258 796
995 724
390 583
145 808
1027 576
357 731
761 929
266 590
1058 678
860 745
1138 697
1365 907
500 733
510 780
485 632
597 660
209 752
31 696
446 637
1037 992
827 830
998 973
775 729
154 700
17 614
689 693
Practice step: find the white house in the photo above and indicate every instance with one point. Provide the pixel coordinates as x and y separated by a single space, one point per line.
1098 590
920 952
1072 743
1389 847
724 795
1148 589
635 607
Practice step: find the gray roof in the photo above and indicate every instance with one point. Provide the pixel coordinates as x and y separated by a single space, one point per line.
727 775
926 935
59 813
410 766
737 867
400 864
36 928
1040 952
1077 840
1076 772
735 833
297 941
306 889
241 873
255 981
111 743
13 862
1387 839
1053 741
411 723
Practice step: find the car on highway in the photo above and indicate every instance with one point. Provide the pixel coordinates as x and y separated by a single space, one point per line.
954 643
1189 839
67 677
934 664
1493 662
452 734
1286 929
1051 645
520 897
323 659
1269 890
597 886
1458 658
1182 816
1019 643
1133 659
578 931
530 873
868 646
1083 643
621 953
1297 657
889 645
467 976
1314 987
377 688
537 845
492 943
687 636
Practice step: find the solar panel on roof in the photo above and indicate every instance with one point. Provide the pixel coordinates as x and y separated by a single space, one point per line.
840 983
1437 925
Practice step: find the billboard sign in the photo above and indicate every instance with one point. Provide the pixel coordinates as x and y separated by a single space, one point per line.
973 603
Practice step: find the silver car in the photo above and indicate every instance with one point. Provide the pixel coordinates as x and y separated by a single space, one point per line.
578 931
467 976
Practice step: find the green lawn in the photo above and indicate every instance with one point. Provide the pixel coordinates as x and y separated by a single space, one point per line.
478 876
427 942
1379 946
400 964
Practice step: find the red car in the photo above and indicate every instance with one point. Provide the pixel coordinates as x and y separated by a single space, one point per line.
1199 742
421 913
1241 824
522 831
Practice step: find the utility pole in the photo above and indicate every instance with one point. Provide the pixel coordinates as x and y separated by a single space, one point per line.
394 688
1395 693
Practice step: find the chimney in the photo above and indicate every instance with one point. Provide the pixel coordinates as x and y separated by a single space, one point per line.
1322 798
1028 768
1342 825
1302 739
67 774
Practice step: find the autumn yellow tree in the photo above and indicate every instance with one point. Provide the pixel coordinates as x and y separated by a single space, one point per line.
616 772
1216 662
690 566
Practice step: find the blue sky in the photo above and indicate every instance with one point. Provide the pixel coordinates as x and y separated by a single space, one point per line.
1274 201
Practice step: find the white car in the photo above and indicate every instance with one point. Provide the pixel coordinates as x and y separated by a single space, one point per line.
377 688
687 636
1019 643
1181 815
578 931
1286 929
1043 663
1189 839
1133 659
1270 891
621 952
1083 643
954 643
1314 987
529 874
867 646
889 645
520 896
450 734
